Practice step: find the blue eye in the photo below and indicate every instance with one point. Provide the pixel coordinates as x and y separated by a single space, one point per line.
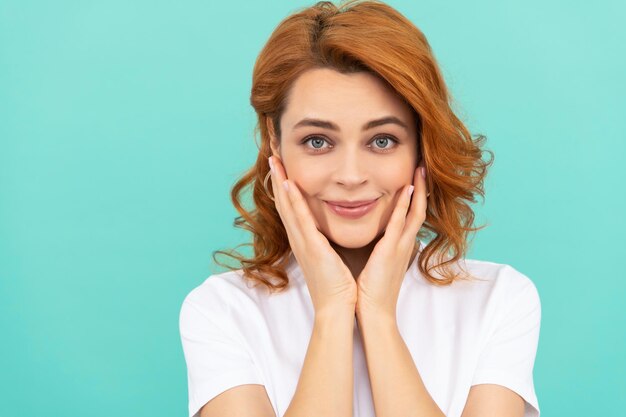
318 141
384 139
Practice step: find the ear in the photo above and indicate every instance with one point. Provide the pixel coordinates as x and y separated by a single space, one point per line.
274 143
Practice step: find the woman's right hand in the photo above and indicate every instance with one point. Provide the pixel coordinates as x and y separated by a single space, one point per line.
329 280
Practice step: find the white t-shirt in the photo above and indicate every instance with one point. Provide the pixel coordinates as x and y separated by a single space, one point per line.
460 335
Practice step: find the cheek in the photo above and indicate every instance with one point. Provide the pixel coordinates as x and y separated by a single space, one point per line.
308 183
310 188
387 178
396 174
310 174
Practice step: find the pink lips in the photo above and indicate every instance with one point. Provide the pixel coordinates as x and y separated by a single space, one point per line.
352 212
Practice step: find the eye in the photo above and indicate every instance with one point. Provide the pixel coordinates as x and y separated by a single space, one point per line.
385 139
318 142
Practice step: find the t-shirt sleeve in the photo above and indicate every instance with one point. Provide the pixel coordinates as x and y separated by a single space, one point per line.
216 359
509 355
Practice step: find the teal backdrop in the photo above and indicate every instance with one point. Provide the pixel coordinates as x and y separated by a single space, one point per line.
123 125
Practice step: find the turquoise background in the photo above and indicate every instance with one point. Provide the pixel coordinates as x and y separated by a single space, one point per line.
123 125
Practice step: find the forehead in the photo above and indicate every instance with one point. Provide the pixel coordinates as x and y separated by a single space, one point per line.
344 98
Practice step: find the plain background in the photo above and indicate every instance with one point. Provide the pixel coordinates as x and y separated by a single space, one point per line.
123 125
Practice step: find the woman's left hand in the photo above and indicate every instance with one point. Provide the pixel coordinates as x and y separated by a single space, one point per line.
379 282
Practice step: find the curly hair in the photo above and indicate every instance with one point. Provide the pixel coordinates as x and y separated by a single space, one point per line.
366 36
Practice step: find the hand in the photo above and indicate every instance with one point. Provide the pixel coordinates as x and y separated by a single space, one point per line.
329 280
378 284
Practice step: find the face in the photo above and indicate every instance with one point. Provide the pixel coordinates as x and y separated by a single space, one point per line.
344 159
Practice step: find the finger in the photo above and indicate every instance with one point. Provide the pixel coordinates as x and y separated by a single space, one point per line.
286 211
419 201
302 210
398 216
276 196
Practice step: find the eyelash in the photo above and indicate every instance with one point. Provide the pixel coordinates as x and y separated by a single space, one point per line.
319 150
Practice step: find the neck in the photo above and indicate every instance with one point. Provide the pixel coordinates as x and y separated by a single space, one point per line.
356 258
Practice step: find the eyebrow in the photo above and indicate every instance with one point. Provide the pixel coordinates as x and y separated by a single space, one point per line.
369 125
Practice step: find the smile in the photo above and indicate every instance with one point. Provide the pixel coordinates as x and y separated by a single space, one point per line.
352 212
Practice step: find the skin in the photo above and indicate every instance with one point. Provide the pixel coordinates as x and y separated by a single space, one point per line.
349 163
379 246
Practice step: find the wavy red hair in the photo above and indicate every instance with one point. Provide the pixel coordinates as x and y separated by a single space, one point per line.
374 37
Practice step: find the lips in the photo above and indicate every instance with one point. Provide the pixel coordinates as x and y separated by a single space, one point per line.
352 204
352 212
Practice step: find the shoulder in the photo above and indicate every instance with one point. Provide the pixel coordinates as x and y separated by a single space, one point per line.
228 291
497 273
484 276
484 282
216 293
502 282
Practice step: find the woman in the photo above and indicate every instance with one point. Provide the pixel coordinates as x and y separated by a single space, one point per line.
364 156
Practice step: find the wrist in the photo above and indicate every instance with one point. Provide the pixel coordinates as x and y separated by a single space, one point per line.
333 312
375 314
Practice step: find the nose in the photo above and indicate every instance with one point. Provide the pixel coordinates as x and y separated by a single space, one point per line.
351 168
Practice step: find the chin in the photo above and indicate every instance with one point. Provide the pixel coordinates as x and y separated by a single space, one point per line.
352 238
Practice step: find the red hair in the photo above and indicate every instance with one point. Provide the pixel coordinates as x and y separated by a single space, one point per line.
363 36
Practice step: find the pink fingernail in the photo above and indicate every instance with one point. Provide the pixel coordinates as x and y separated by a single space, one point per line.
411 188
286 185
423 172
271 163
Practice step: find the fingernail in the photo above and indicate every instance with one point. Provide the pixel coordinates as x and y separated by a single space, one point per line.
271 164
286 185
423 172
411 188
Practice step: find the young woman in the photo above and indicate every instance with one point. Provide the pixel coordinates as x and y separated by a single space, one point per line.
343 309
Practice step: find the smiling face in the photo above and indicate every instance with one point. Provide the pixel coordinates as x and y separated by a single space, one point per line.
344 159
